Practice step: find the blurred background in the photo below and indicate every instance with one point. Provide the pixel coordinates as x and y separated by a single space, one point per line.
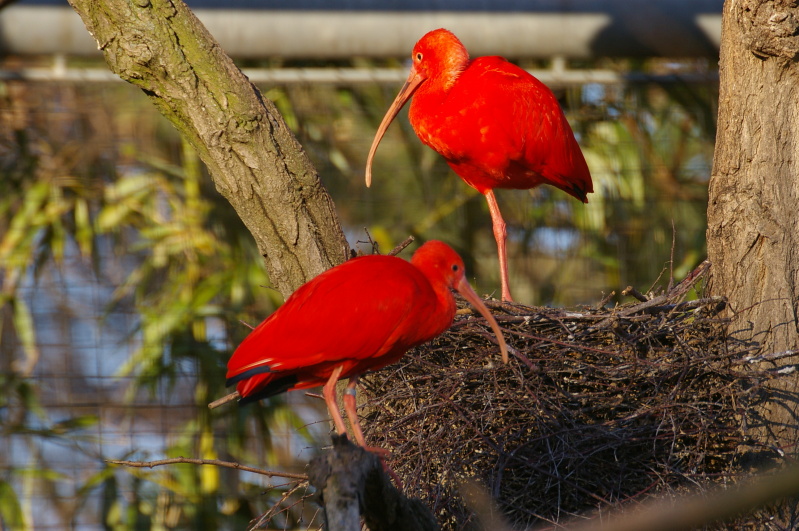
125 278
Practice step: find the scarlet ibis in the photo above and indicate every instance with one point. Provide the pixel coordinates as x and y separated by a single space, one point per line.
496 125
358 316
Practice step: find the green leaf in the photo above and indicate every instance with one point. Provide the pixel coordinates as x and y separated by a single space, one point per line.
84 235
10 509
23 323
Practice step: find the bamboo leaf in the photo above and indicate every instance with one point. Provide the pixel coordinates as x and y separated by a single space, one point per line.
23 324
84 235
10 509
16 247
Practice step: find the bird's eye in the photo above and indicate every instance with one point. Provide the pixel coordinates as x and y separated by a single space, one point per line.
455 267
419 56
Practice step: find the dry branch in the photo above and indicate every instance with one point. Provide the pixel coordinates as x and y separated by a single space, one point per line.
214 462
230 397
252 156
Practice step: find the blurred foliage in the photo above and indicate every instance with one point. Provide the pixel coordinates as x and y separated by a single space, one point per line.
77 193
95 185
649 146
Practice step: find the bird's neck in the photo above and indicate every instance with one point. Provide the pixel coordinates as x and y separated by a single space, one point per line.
442 311
446 78
431 96
428 102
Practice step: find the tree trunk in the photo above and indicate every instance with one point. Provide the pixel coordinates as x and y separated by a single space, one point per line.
753 222
253 158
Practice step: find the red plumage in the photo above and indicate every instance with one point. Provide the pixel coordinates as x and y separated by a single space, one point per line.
495 124
358 316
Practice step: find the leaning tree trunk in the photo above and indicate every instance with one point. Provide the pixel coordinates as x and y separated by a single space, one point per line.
254 160
753 213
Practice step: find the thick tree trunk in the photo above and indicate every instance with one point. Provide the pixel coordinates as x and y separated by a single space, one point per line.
753 216
254 160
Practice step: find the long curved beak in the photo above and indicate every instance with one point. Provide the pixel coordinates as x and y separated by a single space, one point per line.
407 90
468 293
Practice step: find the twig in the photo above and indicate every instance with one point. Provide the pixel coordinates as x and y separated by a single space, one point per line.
398 249
686 305
375 247
601 304
678 291
277 508
224 400
688 282
755 358
671 255
214 462
629 290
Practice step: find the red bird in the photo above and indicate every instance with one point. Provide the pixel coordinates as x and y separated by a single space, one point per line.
495 124
358 316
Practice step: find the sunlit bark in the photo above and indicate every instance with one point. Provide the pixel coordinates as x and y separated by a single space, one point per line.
254 160
753 220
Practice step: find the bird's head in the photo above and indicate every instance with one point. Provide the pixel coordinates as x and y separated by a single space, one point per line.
438 56
444 267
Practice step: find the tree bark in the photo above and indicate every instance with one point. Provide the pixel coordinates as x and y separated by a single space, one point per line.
255 161
753 222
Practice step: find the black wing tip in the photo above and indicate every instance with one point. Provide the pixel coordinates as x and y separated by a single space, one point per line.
247 374
581 194
274 388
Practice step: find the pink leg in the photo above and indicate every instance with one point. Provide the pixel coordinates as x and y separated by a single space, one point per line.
329 392
350 406
500 235
352 414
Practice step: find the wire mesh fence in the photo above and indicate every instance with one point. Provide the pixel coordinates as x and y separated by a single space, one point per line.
115 335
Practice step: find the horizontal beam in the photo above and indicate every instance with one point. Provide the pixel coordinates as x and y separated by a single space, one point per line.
557 77
652 28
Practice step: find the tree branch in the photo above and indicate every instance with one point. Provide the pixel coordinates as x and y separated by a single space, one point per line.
253 158
214 462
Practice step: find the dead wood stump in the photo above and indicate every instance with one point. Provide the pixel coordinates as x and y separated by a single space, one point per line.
350 483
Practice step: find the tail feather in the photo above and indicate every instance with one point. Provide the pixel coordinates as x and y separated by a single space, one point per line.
260 382
275 387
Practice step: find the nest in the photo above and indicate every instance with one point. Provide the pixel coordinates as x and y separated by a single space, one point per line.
596 407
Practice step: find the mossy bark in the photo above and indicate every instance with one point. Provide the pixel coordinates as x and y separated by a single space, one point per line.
253 158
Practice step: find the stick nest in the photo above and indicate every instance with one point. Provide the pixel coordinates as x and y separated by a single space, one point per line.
595 407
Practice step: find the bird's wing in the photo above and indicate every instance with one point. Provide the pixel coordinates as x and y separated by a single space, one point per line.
349 313
518 125
487 105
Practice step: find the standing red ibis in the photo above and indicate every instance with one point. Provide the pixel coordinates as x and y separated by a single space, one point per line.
495 124
355 317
